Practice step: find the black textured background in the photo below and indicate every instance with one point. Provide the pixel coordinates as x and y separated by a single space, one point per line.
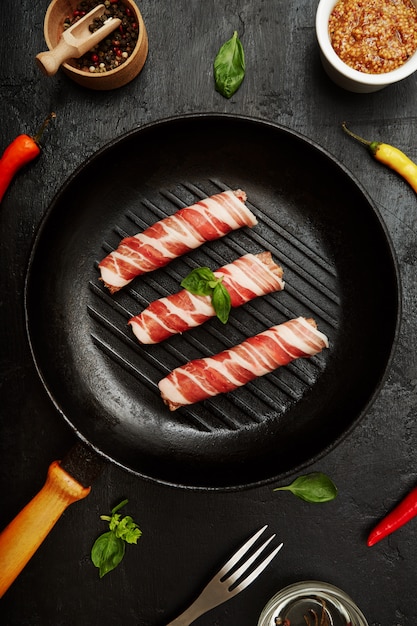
186 534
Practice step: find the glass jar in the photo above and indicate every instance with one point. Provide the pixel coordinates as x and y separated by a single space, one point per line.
310 598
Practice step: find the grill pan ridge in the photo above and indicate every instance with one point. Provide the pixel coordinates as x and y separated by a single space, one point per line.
260 398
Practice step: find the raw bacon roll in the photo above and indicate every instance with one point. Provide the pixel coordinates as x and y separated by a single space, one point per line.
175 235
259 355
246 278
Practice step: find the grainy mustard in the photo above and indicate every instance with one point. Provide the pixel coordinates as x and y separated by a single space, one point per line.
374 36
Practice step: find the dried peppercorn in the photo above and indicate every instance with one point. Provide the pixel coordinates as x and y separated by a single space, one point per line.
21 151
114 50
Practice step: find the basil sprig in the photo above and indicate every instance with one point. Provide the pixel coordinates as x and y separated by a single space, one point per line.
202 282
109 549
314 487
229 66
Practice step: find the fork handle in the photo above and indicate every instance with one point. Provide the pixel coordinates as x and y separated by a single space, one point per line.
202 604
188 616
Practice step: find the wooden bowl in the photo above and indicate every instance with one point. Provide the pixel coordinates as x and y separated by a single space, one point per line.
55 16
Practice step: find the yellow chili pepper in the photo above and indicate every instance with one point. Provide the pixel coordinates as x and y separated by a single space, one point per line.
390 156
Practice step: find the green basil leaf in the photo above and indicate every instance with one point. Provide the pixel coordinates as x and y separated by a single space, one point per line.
127 530
229 66
202 282
221 302
107 552
314 487
132 535
114 521
197 281
109 549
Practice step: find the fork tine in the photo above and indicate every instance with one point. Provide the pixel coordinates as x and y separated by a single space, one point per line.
248 562
242 550
218 589
260 568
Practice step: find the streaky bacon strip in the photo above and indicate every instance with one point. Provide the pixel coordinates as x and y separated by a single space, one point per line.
248 277
204 378
175 235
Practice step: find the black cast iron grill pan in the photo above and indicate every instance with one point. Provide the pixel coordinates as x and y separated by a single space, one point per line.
339 269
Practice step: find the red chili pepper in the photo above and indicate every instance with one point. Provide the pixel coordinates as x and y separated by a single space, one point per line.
21 151
400 515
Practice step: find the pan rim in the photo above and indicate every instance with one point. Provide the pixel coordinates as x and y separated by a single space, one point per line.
244 119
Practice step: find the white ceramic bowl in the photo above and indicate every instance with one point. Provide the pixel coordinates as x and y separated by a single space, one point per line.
346 76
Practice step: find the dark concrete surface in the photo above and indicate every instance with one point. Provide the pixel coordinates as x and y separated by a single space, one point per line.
188 534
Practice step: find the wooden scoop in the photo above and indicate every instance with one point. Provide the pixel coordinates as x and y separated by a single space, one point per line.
76 41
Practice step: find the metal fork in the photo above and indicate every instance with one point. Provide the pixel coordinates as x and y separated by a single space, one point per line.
221 588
